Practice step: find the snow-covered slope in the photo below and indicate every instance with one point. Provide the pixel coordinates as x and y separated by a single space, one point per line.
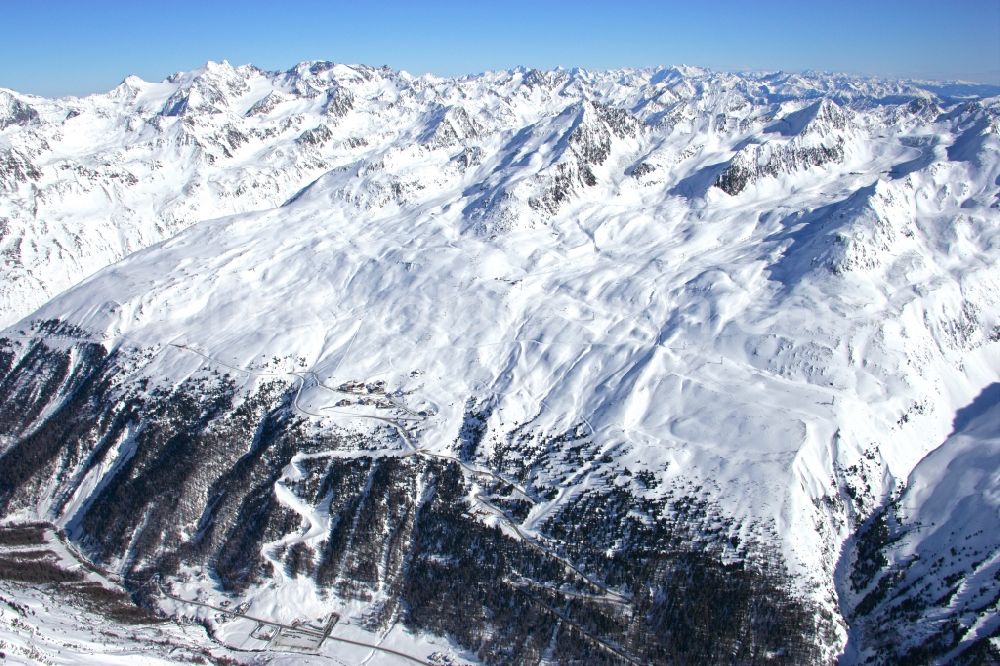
924 578
86 181
658 325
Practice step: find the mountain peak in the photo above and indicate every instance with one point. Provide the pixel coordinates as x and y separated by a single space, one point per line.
217 68
820 117
15 112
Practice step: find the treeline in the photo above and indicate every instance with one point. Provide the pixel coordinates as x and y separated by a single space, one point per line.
194 483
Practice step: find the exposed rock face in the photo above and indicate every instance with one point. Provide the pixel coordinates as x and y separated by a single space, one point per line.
339 102
266 104
16 170
316 136
821 118
15 112
209 92
766 160
450 126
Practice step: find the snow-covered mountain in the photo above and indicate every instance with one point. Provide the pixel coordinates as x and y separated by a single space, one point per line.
86 181
641 365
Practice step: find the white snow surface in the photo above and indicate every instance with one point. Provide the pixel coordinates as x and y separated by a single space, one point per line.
494 237
85 181
54 624
942 537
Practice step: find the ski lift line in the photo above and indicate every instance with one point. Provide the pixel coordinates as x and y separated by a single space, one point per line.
250 373
601 643
350 344
607 593
415 451
479 472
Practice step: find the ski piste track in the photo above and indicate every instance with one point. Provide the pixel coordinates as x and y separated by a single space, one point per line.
83 562
605 594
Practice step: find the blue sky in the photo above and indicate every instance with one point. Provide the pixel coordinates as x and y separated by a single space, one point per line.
58 47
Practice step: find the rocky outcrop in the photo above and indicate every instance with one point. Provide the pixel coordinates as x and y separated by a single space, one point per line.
763 160
16 169
266 104
317 136
594 128
449 126
208 91
339 103
15 112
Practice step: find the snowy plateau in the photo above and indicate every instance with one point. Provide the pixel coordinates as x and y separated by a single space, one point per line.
340 365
